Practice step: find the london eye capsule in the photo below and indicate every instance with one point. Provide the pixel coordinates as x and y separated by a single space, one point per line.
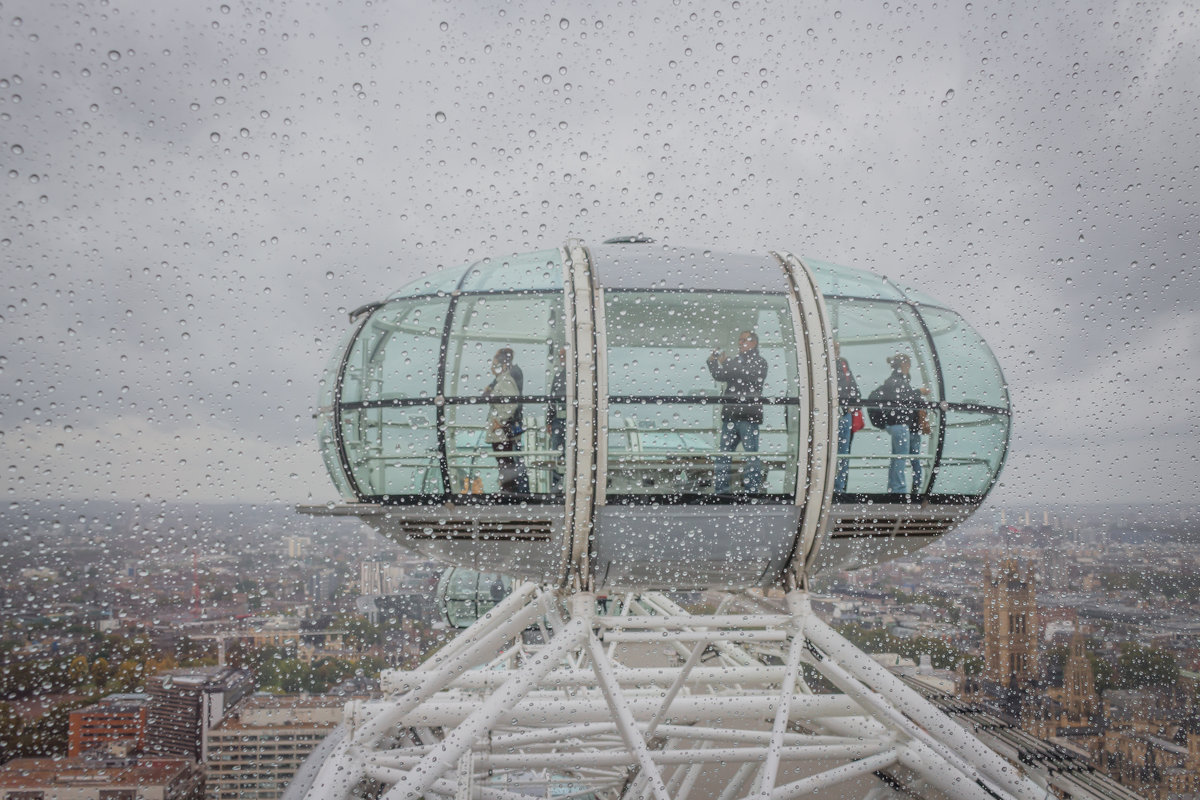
633 415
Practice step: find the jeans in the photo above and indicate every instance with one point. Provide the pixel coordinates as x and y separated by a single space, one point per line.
845 433
734 431
904 443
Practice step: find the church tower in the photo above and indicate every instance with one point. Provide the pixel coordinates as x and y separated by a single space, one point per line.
1010 624
1079 683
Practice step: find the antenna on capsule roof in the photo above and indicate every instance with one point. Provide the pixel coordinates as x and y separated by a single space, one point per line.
637 238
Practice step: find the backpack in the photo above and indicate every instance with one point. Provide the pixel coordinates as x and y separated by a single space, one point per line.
880 417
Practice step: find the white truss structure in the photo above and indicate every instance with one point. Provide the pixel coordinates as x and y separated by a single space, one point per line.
641 699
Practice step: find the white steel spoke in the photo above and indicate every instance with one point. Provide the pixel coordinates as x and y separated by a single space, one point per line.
596 709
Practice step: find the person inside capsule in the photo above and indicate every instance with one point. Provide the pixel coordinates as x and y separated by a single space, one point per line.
556 420
906 423
848 397
741 411
504 422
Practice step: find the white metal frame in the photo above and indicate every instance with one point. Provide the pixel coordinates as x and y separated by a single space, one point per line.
723 711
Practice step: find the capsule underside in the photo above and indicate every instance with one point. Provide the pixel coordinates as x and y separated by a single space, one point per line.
627 494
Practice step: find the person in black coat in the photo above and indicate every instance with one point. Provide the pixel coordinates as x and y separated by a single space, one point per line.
906 423
742 411
556 419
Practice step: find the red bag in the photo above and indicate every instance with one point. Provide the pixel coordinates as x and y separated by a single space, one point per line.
856 421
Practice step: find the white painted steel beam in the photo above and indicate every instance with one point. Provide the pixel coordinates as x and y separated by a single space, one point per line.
491 714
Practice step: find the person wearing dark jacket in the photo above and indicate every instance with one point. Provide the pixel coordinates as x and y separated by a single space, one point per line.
556 419
505 422
906 423
848 398
742 411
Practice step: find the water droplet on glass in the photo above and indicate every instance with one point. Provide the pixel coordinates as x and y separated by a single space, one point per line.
114 55
444 26
17 149
949 94
583 156
244 133
564 23
545 79
440 116
214 137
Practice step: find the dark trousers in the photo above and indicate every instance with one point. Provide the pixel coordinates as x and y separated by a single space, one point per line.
513 478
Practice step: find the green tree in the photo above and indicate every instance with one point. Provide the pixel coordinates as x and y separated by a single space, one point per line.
1142 666
78 671
101 672
129 675
11 726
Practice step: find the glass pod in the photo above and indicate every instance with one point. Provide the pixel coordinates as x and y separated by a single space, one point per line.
641 416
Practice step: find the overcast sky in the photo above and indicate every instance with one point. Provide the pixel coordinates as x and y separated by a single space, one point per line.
195 193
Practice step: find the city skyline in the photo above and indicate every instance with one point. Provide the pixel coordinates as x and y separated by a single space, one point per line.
196 196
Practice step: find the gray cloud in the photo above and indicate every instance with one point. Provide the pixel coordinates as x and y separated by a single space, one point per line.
193 197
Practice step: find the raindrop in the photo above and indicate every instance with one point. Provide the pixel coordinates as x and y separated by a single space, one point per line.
194 106
17 149
114 55
244 133
224 9
545 79
329 275
214 137
564 23
949 94
583 156
366 42
440 116
444 26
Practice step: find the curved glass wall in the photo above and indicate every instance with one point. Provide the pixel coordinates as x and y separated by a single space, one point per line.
958 417
694 411
454 389
464 595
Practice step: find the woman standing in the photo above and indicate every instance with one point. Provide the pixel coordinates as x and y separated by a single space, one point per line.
504 422
848 398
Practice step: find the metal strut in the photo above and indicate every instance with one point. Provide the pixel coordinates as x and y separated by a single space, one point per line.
649 700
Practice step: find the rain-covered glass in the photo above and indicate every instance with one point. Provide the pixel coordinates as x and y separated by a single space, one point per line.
969 370
667 431
971 453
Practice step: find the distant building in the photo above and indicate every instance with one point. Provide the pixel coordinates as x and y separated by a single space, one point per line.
185 703
297 547
142 778
1079 698
116 725
1010 624
379 578
253 754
